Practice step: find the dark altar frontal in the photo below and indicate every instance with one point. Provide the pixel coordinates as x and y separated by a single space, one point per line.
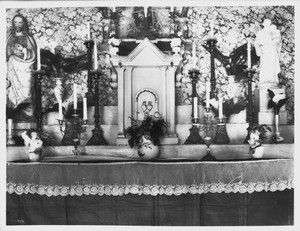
185 192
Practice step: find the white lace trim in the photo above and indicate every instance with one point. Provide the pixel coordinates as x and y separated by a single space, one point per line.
153 190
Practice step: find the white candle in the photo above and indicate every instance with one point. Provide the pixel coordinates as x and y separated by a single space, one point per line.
88 31
9 127
60 114
207 93
172 9
249 54
113 9
220 107
95 56
84 108
38 57
145 11
195 101
212 25
75 96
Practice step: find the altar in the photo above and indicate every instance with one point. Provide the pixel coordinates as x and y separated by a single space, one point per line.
152 116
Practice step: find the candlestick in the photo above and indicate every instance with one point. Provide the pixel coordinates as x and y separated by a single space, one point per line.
195 101
207 93
220 107
60 114
9 127
75 96
88 31
212 25
84 108
95 56
38 57
249 54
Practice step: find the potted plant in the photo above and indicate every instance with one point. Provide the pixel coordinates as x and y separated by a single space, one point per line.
146 135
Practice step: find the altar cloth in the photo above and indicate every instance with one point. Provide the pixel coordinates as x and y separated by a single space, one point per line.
150 178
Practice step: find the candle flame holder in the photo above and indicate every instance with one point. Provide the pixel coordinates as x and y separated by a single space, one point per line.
72 130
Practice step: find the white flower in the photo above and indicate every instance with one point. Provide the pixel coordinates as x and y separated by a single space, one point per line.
176 42
113 41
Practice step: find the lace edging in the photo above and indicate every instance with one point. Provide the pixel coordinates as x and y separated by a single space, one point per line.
153 190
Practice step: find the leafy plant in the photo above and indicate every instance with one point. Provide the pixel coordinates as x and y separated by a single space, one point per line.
152 127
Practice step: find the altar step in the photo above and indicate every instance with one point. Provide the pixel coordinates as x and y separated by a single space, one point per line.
167 152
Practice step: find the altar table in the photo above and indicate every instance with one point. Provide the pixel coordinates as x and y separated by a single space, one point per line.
247 192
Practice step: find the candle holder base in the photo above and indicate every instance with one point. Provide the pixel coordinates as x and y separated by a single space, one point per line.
97 137
10 141
221 136
208 157
194 137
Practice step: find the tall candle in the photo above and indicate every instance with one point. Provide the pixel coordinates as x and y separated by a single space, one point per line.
75 96
88 31
113 9
195 101
207 93
172 9
84 108
95 56
220 107
60 114
212 25
249 54
38 57
9 127
145 11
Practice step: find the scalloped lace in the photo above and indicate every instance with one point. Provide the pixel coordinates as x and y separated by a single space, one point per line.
153 190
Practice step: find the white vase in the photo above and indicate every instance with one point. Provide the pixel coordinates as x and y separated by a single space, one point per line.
147 150
258 152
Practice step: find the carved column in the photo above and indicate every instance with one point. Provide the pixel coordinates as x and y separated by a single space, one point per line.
171 93
120 73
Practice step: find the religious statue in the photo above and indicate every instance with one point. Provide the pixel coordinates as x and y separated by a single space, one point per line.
20 55
268 46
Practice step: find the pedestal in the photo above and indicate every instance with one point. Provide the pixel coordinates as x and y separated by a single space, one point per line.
262 114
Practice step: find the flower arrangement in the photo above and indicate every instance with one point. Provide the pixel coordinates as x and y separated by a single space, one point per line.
152 128
257 136
114 42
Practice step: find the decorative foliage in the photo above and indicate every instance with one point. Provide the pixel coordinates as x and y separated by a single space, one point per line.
152 127
258 135
276 101
234 25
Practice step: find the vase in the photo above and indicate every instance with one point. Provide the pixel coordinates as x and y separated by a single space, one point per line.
147 150
258 152
35 155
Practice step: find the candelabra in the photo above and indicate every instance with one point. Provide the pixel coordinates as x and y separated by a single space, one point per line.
89 45
250 73
211 42
38 74
97 137
73 128
194 137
